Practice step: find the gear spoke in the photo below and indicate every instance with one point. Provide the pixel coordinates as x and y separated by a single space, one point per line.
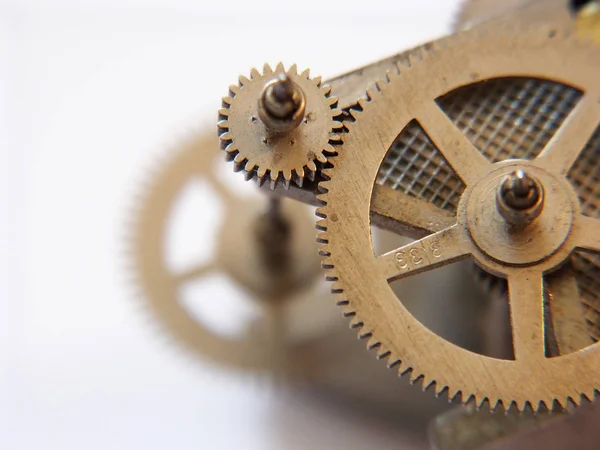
224 193
587 236
406 215
572 137
526 293
466 160
568 320
433 251
195 272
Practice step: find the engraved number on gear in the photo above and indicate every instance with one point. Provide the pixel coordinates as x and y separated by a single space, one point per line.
416 256
436 251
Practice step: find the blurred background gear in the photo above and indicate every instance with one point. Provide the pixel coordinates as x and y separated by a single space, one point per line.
288 325
260 246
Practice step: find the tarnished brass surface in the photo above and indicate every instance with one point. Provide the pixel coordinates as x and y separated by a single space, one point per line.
274 156
361 279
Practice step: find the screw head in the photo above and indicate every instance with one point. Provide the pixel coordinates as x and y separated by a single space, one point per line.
520 198
282 104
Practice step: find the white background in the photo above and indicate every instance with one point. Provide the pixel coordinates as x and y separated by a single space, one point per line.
90 93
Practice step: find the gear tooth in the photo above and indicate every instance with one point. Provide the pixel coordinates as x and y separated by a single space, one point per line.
370 94
223 124
498 407
267 70
585 399
325 90
323 188
383 353
279 67
332 101
260 181
234 89
239 159
224 112
483 404
227 100
337 125
306 74
428 385
527 408
321 225
415 57
243 80
287 175
327 174
455 396
226 136
363 334
557 405
394 364
317 80
254 74
300 173
331 275
471 402
238 166
321 198
310 165
321 158
355 323
297 179
325 253
320 212
336 138
232 149
362 103
336 288
415 377
261 172
249 172
441 390
573 402
293 70
274 175
322 239
355 113
373 344
542 408
513 408
328 149
379 85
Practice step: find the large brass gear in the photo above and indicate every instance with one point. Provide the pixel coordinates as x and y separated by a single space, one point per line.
278 158
361 278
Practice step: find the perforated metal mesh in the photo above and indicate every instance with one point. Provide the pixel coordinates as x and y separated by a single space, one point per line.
504 118
585 177
416 167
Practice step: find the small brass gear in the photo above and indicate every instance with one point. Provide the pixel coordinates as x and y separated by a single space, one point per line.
278 157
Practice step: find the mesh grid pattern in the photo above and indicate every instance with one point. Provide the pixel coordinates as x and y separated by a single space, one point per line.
587 272
510 118
504 118
416 167
585 177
